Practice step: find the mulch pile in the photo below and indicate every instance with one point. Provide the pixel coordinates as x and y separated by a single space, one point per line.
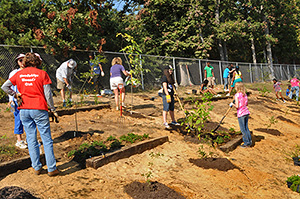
13 192
151 190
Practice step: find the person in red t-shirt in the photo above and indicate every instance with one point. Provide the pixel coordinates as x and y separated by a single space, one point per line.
34 87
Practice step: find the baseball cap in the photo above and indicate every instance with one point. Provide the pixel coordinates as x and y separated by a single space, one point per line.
169 67
72 63
36 54
20 56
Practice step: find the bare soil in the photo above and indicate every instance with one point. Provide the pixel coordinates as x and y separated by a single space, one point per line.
256 172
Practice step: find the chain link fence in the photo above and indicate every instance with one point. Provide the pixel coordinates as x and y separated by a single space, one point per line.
187 71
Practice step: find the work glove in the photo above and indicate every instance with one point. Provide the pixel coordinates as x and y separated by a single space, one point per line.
214 78
102 73
69 87
231 104
168 97
19 99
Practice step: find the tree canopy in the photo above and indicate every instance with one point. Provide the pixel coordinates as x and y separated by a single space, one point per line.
248 31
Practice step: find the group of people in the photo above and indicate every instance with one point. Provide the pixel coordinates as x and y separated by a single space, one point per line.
30 95
240 101
231 76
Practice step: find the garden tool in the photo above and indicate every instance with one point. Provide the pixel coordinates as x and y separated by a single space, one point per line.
222 119
120 87
176 95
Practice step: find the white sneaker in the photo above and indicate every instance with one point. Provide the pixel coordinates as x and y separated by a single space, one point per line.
167 125
117 108
228 94
21 144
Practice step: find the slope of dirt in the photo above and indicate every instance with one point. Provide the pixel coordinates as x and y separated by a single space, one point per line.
256 172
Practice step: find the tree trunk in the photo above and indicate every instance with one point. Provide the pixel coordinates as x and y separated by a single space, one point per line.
268 48
225 51
217 16
254 59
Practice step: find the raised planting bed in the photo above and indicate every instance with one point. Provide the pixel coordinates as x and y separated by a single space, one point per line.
18 164
98 161
70 111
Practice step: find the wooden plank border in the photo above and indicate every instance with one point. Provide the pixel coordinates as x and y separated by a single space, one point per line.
98 161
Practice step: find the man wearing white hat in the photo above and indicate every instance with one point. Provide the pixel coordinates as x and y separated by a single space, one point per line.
63 76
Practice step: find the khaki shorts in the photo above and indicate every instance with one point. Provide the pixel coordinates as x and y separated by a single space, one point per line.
115 81
60 85
211 81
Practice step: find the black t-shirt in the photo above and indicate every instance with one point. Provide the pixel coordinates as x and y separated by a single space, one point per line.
169 86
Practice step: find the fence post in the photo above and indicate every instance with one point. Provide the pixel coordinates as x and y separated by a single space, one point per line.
200 70
174 66
262 73
288 69
295 69
251 80
142 76
220 67
281 71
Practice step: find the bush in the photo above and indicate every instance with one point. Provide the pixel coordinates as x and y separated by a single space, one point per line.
3 95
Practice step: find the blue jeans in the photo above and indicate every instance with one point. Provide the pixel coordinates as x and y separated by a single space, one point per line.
167 106
294 88
18 124
243 122
32 120
225 83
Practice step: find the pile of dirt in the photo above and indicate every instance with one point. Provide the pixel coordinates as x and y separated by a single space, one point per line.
14 192
221 164
151 190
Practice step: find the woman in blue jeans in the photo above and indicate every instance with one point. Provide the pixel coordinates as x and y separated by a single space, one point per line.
34 90
168 96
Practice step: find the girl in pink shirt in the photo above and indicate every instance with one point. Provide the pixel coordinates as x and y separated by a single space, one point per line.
277 89
241 102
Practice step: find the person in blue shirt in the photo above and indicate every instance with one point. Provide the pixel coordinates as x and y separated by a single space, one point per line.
97 70
228 70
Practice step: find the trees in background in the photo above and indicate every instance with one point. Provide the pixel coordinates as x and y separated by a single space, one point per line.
249 31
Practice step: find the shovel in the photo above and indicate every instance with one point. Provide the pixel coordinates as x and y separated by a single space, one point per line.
221 120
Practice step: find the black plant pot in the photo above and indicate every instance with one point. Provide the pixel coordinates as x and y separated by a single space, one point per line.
296 161
289 184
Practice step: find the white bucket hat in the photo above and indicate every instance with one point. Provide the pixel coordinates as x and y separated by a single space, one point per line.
72 63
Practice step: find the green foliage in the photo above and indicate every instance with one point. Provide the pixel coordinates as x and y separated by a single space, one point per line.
3 137
295 180
264 91
3 95
131 137
8 150
272 121
197 117
135 60
147 175
203 154
155 155
111 138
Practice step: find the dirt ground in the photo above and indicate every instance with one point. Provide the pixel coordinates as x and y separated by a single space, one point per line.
256 172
